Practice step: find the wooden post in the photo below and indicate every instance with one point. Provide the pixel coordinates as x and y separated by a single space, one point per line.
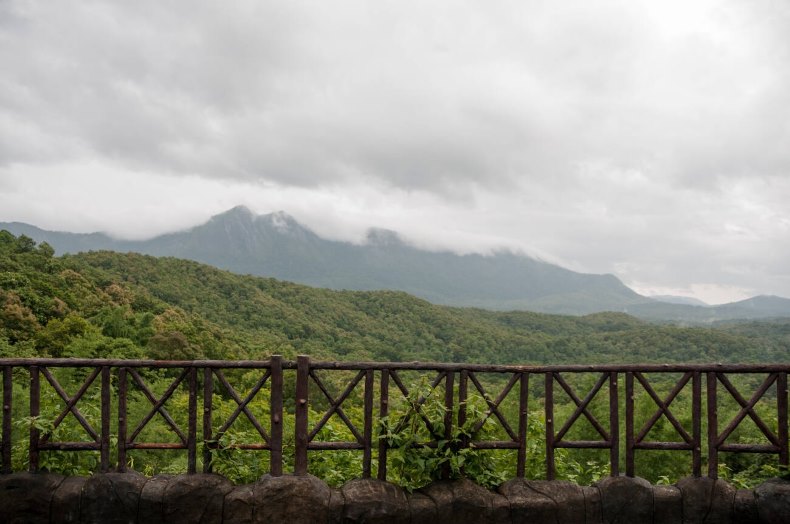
208 406
276 416
122 422
549 425
302 392
105 420
368 423
696 421
8 391
35 398
192 429
614 425
629 424
383 413
523 405
713 426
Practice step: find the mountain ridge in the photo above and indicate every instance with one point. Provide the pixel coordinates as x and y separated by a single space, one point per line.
277 245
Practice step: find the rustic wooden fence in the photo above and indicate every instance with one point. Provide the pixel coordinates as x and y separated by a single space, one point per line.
383 382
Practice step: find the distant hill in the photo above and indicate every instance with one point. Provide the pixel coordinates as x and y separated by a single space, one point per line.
276 245
672 299
760 307
110 305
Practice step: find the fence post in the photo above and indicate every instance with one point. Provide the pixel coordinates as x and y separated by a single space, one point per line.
8 390
383 413
463 393
448 416
35 398
549 425
368 422
302 392
781 408
105 419
122 392
713 426
523 405
192 435
614 425
696 421
208 406
276 416
629 424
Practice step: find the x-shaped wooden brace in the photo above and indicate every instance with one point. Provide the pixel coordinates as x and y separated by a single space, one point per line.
71 403
417 406
747 408
582 406
493 405
334 407
663 407
158 405
242 404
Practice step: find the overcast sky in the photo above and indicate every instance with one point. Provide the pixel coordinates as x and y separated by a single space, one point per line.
642 138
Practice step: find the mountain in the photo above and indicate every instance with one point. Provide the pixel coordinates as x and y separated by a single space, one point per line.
276 245
672 299
759 307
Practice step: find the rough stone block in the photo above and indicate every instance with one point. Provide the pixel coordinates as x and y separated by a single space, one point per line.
375 502
667 505
422 508
745 507
111 498
26 497
593 513
773 501
195 498
150 509
626 500
292 499
66 501
239 506
536 501
707 500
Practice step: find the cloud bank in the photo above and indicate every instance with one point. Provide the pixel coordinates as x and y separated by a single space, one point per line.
638 138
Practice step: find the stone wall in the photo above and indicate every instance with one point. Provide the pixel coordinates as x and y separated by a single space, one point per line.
131 497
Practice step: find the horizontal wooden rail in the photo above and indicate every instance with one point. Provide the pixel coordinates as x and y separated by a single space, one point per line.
373 391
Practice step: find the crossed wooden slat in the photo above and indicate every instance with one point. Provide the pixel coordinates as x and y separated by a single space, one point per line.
493 405
581 407
335 407
71 404
747 408
158 405
416 406
242 404
663 408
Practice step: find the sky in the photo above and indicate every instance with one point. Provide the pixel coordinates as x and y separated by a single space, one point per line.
646 139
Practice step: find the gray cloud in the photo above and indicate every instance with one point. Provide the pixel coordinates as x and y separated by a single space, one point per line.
576 129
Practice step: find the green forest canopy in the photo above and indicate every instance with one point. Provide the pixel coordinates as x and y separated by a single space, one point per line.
106 304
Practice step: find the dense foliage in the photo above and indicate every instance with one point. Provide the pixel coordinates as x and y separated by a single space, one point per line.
101 304
105 304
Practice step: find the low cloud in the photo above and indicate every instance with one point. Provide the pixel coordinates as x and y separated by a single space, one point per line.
644 139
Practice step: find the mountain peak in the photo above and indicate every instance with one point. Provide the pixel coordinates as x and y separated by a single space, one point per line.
281 221
382 237
238 212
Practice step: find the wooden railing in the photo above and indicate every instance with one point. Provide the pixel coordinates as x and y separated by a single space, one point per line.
381 384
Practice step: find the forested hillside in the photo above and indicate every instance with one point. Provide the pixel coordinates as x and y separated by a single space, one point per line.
105 304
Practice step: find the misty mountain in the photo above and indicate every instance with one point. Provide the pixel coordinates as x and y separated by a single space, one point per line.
276 245
759 307
672 299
